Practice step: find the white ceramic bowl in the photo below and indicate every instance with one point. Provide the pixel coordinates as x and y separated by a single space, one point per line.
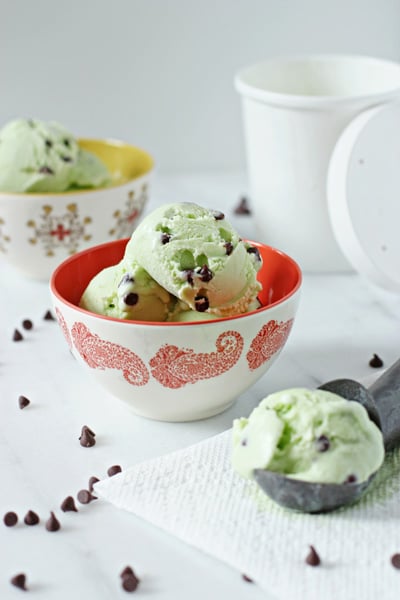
176 371
40 230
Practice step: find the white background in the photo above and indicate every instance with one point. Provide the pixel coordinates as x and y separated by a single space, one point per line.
158 73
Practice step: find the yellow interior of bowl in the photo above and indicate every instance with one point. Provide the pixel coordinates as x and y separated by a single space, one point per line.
125 162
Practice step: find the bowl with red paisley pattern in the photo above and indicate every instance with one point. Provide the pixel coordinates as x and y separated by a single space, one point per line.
180 371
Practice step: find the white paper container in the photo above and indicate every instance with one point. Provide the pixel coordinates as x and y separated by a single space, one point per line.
294 110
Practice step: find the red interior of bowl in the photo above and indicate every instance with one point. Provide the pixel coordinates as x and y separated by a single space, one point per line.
280 276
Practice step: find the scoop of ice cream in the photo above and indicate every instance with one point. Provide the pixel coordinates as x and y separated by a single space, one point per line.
127 292
314 436
88 172
197 256
45 157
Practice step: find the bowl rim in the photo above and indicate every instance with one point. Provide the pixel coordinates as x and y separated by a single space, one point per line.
88 191
209 322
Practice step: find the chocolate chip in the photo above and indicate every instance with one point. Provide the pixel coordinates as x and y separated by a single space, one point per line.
218 215
201 303
127 571
165 238
255 251
10 519
376 362
31 518
247 578
312 558
27 324
130 581
49 143
48 316
53 524
66 159
127 278
90 431
87 437
114 470
189 276
205 274
84 496
17 336
68 505
228 248
23 402
350 479
19 581
242 208
395 560
45 170
92 481
243 442
322 443
131 299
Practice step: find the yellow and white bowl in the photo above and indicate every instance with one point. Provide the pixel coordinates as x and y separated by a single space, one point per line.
40 230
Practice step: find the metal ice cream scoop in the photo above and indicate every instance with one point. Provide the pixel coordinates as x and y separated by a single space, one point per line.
382 402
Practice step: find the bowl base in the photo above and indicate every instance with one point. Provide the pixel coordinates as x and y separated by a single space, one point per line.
179 417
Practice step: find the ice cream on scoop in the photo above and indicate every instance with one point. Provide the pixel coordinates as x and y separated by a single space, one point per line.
196 255
314 436
44 157
182 263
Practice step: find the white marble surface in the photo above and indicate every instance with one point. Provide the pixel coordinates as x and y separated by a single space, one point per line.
342 321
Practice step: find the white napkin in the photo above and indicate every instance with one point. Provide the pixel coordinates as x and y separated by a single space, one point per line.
195 495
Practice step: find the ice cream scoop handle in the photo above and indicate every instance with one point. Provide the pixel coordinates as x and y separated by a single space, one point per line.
386 393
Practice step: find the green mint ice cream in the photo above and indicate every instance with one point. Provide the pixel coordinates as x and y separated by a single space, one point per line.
45 157
185 263
196 255
127 291
314 436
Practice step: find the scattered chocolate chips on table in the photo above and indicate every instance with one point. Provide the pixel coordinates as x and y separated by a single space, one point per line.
87 437
10 519
48 316
23 402
243 207
68 505
114 470
84 496
17 336
376 362
129 579
27 324
31 518
92 481
19 581
312 558
247 578
127 571
53 524
395 560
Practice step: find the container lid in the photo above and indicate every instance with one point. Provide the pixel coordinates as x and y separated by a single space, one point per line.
363 192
